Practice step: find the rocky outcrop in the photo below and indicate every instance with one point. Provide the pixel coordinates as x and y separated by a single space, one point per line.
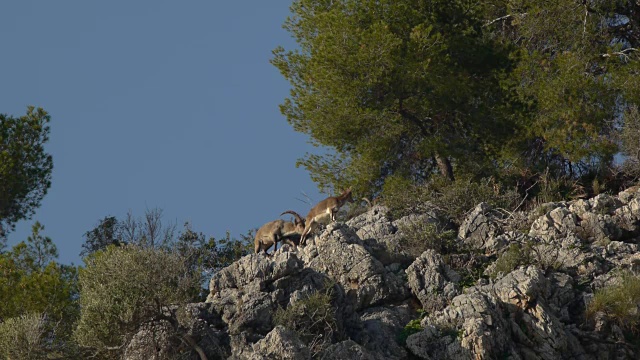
476 303
380 236
480 230
280 343
432 281
341 255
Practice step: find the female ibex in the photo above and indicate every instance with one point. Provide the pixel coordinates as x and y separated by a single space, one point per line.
278 230
324 212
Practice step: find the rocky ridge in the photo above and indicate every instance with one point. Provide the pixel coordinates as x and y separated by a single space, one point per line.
388 305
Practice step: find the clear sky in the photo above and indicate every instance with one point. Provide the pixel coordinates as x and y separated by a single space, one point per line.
169 104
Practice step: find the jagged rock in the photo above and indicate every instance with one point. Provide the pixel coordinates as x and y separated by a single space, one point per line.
510 318
472 326
339 253
524 292
347 349
431 343
152 341
480 230
254 270
629 194
373 224
623 255
380 329
555 224
247 293
198 329
432 281
562 298
280 343
580 207
380 236
604 203
428 214
627 216
536 311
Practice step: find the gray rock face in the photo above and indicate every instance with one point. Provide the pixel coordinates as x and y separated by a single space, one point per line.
488 321
380 329
247 293
555 224
198 329
340 254
535 309
280 343
480 230
380 236
152 341
347 349
432 281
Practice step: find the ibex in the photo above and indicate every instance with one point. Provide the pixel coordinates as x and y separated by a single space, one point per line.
324 212
278 230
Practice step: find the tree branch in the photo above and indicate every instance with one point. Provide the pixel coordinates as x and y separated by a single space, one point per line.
624 53
491 22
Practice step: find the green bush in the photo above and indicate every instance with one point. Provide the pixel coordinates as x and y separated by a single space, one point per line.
414 326
421 236
122 288
620 303
24 338
453 199
517 255
312 318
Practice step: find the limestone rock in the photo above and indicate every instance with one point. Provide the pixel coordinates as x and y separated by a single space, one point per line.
557 223
432 281
347 349
340 254
480 229
282 344
379 235
380 329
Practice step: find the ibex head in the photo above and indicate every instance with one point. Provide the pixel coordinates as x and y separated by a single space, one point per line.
298 222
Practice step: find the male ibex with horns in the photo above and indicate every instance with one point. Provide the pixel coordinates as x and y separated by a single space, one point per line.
324 212
278 230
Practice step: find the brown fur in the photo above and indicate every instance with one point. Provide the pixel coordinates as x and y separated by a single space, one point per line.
326 207
278 230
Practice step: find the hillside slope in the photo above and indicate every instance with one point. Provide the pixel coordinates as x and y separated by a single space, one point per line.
518 287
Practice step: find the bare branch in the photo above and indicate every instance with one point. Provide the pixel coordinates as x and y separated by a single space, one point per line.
502 18
624 53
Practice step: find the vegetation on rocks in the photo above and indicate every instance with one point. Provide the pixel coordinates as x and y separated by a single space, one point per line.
619 302
313 319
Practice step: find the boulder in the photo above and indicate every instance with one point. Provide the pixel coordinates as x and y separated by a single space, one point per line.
480 230
340 254
432 281
280 344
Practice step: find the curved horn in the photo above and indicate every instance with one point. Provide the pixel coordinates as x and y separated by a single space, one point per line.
367 201
298 218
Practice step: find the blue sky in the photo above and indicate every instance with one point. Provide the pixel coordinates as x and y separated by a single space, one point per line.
169 104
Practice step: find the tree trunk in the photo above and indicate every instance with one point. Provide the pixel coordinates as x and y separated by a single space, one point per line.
444 165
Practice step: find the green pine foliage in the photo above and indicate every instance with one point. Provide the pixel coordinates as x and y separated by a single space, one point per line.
409 89
25 166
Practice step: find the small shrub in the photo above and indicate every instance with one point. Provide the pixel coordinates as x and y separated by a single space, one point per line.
620 303
421 236
313 319
453 199
122 288
453 332
411 328
23 337
517 255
